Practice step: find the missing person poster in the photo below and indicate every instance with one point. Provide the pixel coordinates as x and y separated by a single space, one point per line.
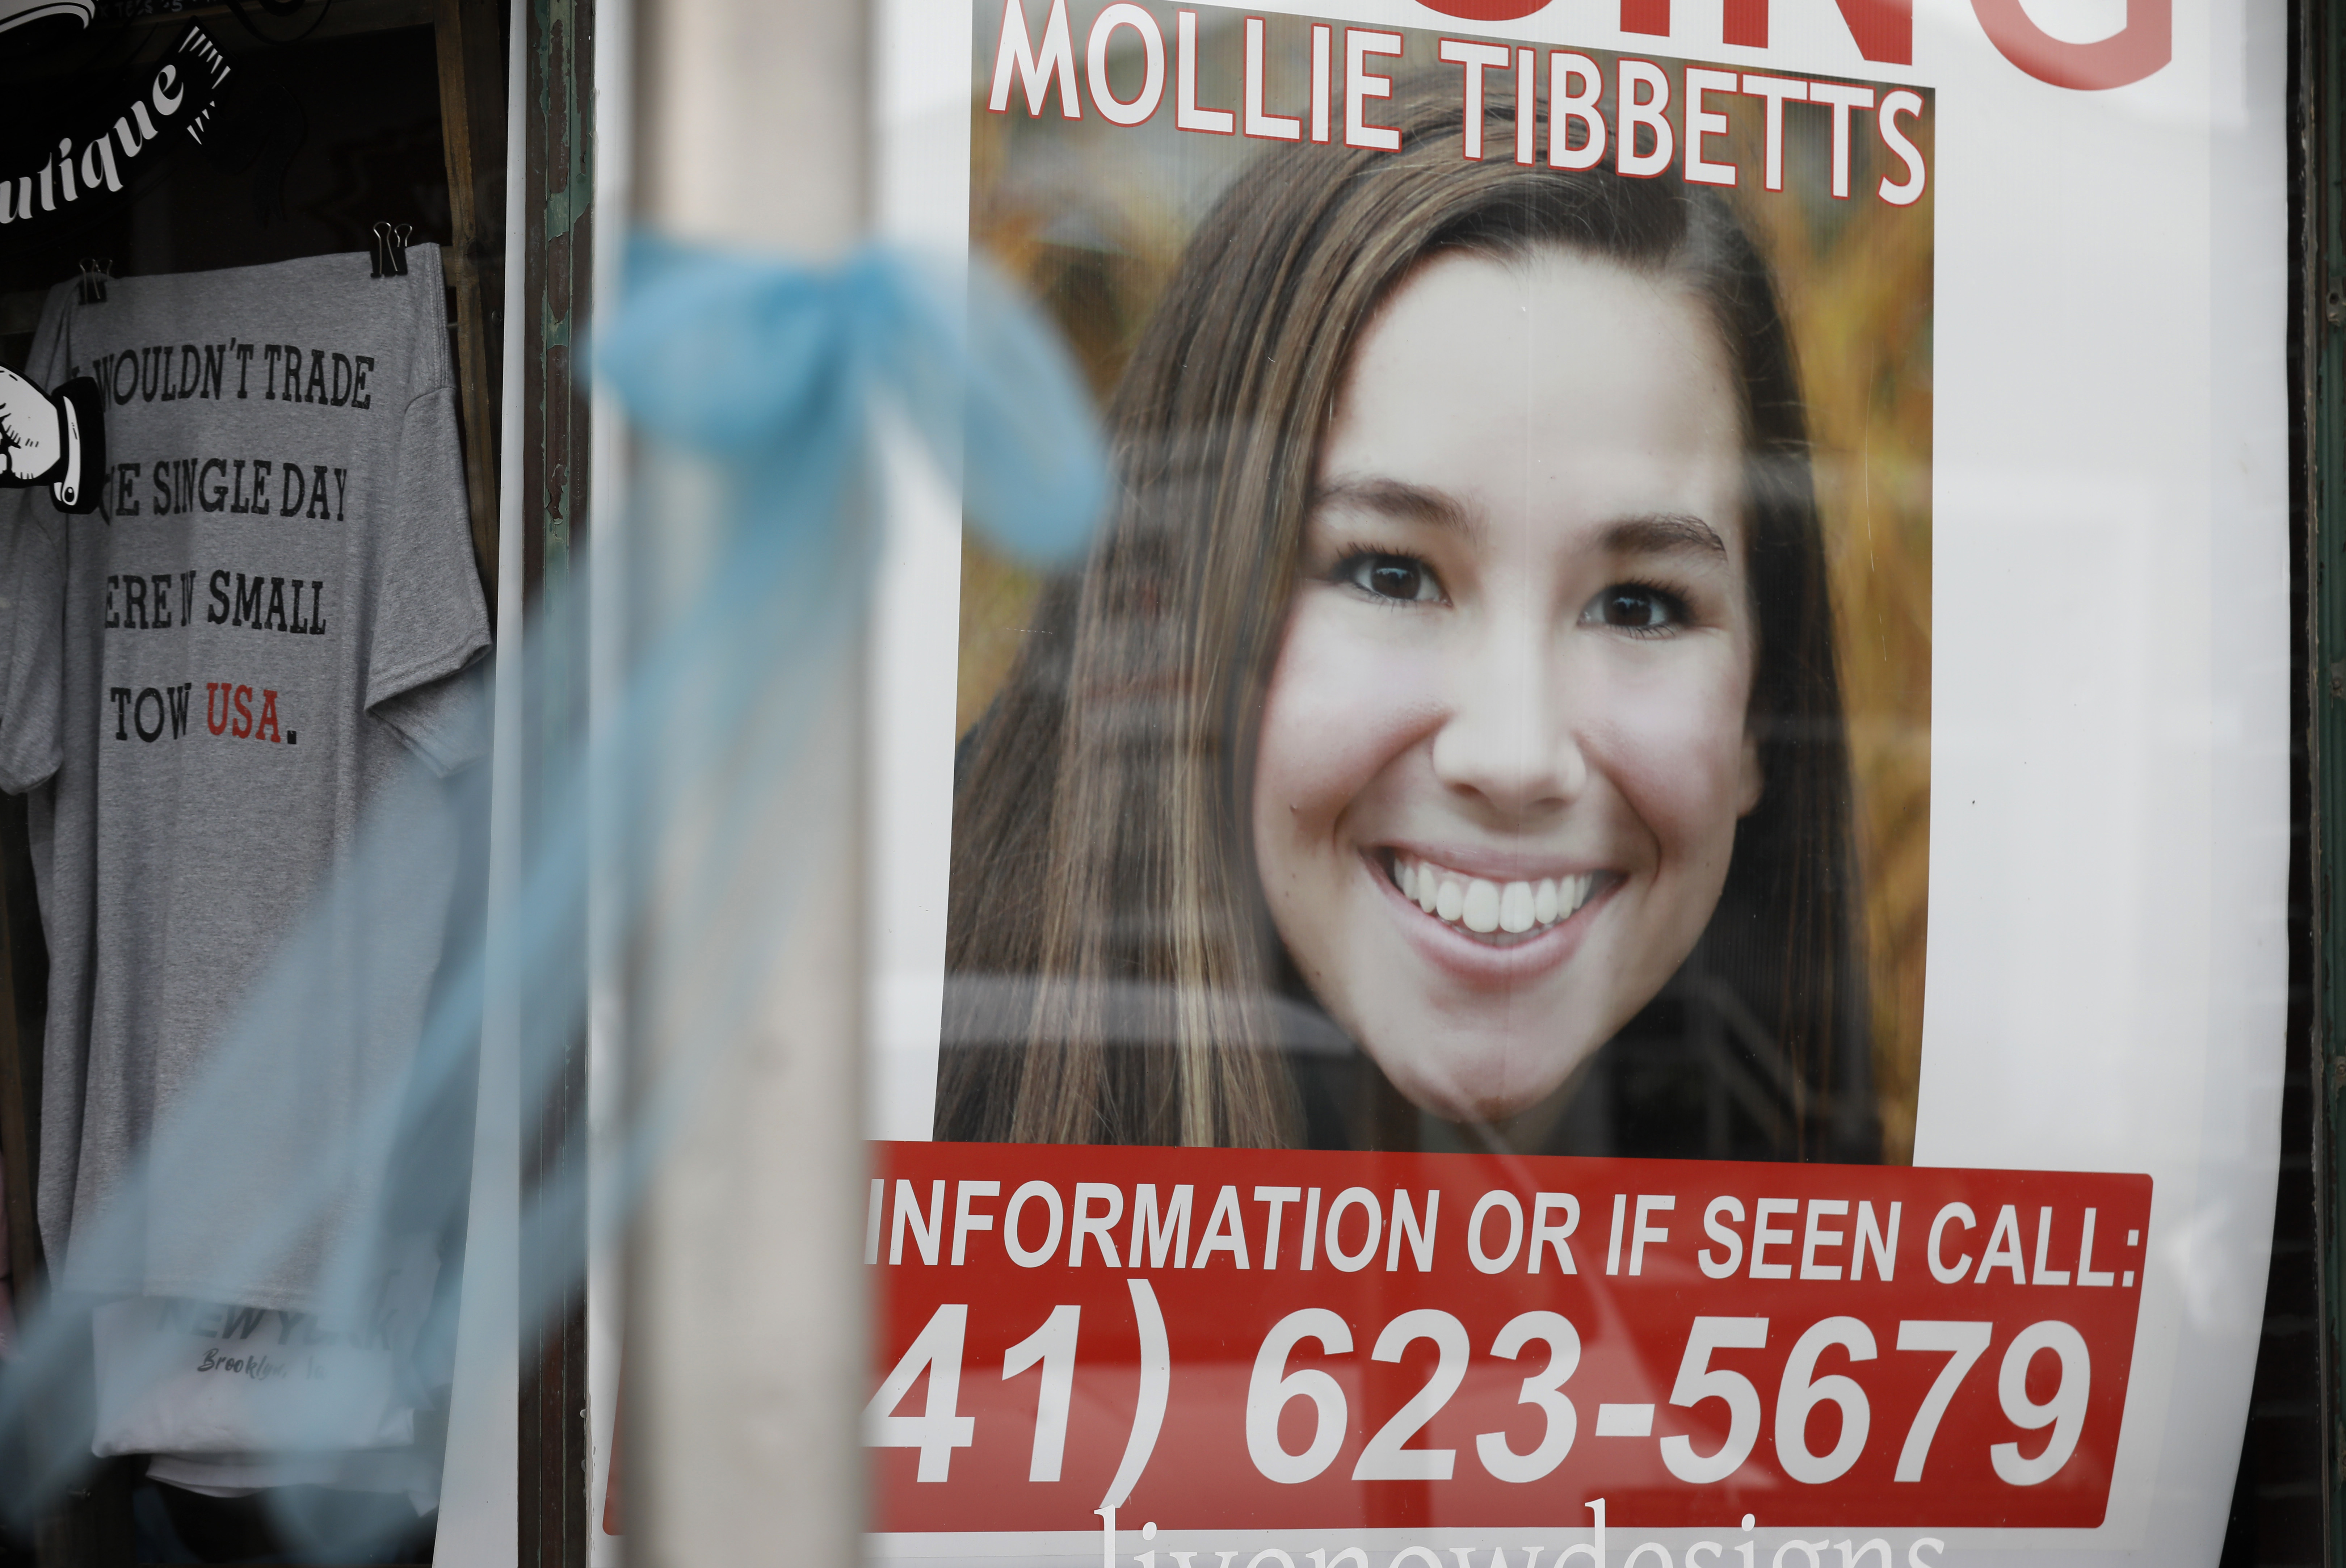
1631 913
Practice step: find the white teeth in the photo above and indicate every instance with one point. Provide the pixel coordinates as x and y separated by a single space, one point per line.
1484 906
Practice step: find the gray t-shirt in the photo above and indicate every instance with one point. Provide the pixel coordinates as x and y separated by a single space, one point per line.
209 686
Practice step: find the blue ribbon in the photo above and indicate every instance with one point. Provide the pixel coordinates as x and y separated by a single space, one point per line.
771 369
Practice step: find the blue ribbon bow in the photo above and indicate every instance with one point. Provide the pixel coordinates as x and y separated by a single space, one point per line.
772 369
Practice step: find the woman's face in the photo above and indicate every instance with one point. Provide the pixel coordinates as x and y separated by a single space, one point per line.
1505 746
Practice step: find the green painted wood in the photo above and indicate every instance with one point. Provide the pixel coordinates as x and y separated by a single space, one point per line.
557 258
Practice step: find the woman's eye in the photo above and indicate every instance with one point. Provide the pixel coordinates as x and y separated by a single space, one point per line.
1402 578
1636 608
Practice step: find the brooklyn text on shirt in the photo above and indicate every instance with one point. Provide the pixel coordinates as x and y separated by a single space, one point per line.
262 372
272 1328
240 487
1559 106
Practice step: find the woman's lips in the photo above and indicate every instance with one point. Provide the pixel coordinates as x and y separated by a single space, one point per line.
1493 911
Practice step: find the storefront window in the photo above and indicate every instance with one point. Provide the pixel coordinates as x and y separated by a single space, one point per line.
1511 783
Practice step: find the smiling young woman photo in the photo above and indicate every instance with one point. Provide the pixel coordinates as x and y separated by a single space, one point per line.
1448 719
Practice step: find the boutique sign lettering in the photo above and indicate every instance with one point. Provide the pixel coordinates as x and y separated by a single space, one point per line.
101 156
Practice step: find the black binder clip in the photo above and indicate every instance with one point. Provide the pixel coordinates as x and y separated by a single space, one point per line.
389 246
94 276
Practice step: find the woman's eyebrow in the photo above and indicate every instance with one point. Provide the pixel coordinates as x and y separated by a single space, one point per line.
1663 533
1399 500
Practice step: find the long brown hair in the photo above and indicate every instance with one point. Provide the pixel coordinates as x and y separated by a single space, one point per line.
1115 976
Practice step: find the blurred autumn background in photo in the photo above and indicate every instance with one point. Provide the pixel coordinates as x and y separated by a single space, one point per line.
1092 216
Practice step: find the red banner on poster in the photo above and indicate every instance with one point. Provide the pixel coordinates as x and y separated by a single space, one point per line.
1271 1339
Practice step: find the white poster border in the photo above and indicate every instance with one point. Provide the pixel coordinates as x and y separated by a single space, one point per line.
2107 968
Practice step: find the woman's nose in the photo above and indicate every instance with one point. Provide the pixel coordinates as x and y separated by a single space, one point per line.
1508 737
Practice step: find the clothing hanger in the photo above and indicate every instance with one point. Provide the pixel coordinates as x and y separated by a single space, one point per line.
94 276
